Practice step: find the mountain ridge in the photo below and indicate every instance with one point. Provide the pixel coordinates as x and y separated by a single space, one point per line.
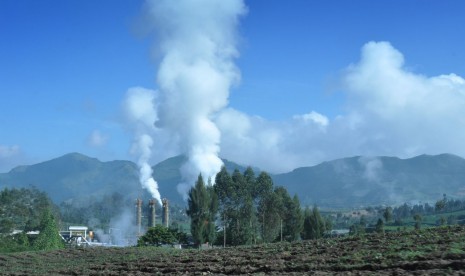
344 182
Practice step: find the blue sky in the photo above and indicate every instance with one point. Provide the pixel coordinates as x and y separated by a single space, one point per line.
65 68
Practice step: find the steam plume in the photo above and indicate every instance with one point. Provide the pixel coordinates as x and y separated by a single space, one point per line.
197 46
140 110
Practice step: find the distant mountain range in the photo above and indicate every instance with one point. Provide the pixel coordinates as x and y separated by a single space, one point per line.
75 175
359 181
347 182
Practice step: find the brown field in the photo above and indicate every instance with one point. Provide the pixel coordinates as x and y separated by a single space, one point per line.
438 251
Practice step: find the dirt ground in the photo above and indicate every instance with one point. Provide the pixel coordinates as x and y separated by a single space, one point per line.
438 251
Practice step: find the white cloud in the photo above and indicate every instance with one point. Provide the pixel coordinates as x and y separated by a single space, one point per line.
314 117
97 139
10 156
9 151
390 111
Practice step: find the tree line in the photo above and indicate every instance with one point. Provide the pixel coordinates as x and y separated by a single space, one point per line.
242 209
27 210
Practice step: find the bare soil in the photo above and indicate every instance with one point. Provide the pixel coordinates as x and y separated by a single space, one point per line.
438 251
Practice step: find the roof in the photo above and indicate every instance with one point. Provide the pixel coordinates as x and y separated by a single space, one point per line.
81 228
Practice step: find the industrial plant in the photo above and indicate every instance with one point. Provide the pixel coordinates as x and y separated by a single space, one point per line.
151 214
142 219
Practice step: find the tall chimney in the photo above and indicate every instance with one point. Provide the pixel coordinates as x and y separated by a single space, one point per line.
152 213
166 212
139 215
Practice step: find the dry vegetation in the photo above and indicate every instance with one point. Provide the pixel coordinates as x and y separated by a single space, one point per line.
431 251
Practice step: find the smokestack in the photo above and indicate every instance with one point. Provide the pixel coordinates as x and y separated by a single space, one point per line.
152 213
139 215
166 212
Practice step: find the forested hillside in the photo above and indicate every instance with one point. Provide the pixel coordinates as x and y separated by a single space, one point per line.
365 181
347 182
23 210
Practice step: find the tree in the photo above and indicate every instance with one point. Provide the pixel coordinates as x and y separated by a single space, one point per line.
23 209
417 218
379 226
179 235
440 205
156 236
358 228
242 211
224 191
263 186
328 224
210 229
295 221
251 203
269 213
49 237
262 194
202 207
387 214
290 214
314 227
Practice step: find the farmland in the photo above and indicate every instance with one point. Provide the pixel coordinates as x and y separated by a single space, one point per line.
434 251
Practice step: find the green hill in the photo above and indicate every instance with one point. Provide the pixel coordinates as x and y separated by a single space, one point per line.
75 176
347 182
360 181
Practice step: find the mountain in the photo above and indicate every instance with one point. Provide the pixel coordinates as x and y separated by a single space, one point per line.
348 182
168 175
75 175
360 181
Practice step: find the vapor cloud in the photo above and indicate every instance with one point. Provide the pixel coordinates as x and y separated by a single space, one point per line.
196 41
390 111
140 110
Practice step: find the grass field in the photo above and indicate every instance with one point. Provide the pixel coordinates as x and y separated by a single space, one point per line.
439 251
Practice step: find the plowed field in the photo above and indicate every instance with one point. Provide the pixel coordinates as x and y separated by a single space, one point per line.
438 251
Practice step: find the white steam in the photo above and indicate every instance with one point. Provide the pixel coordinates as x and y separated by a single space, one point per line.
391 111
196 41
140 110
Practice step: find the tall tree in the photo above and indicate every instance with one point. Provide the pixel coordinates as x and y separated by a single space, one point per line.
294 220
417 218
379 226
225 191
199 211
263 186
387 214
264 200
242 212
314 226
49 237
251 180
210 229
269 214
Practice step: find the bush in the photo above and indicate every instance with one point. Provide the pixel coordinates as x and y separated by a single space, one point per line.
157 236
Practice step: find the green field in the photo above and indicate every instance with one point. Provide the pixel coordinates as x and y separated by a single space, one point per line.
426 221
438 251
